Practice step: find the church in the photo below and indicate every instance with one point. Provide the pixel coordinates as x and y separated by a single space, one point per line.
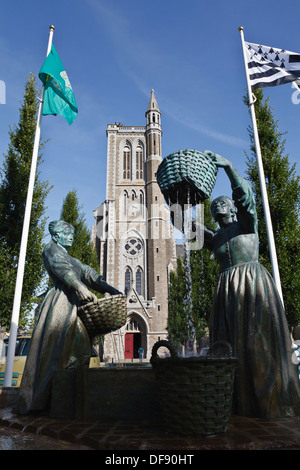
134 237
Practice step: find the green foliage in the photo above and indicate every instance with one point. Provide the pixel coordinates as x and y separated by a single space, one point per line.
283 188
14 178
177 313
82 247
204 272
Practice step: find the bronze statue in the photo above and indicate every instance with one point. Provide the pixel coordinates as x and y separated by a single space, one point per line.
247 310
59 339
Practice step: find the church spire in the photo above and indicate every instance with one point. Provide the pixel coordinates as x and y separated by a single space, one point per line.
153 106
153 128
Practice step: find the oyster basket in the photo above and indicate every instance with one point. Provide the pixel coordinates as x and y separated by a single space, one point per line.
104 316
187 176
195 392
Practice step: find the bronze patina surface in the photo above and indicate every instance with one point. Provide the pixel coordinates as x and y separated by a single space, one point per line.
59 340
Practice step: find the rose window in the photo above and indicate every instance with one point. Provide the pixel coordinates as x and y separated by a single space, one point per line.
133 246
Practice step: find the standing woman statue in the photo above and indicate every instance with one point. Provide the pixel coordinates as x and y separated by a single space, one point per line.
247 310
59 339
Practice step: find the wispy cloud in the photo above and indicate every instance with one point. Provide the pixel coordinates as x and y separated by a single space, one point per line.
198 127
132 62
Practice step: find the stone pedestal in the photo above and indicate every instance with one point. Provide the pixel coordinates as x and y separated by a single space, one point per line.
105 393
8 396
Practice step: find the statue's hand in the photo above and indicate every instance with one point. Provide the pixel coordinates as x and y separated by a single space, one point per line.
218 160
84 294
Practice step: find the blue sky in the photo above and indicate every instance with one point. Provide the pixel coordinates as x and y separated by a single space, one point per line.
116 51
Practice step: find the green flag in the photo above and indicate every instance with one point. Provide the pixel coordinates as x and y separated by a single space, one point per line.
58 96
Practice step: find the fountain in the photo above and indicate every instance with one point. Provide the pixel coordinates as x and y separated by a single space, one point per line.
195 390
192 394
186 178
120 393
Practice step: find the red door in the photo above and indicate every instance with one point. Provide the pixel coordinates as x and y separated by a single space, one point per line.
129 346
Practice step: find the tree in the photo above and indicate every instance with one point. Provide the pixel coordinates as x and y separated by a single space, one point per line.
283 188
177 314
14 178
82 248
203 271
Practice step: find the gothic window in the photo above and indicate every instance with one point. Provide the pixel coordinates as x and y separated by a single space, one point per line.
139 163
128 278
132 325
127 163
125 196
139 284
141 203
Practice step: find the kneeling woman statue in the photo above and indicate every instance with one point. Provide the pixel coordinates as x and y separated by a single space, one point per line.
59 339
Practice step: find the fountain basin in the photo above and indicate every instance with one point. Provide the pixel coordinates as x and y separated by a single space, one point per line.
190 395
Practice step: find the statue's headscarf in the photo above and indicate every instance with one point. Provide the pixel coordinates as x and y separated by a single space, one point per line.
57 226
233 208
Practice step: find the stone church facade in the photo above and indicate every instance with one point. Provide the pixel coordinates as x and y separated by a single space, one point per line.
133 235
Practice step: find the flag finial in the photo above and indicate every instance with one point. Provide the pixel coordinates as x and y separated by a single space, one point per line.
241 28
51 27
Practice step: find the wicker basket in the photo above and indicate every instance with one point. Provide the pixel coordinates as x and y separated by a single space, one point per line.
107 315
187 174
195 393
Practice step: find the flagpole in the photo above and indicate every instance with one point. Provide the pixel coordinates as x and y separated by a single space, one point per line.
22 255
262 181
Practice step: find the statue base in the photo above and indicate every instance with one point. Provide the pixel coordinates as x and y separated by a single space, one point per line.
106 393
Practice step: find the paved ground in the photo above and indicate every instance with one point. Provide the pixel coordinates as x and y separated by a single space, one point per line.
243 434
13 439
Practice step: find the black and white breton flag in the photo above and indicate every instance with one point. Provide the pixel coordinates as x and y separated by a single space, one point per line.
269 66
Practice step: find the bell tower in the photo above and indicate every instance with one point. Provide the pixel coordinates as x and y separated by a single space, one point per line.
133 235
158 217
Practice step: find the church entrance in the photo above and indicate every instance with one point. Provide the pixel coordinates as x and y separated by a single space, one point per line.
134 337
132 345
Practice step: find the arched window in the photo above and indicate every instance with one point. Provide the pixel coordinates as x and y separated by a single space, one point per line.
133 325
141 203
139 282
125 196
127 163
128 279
139 163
